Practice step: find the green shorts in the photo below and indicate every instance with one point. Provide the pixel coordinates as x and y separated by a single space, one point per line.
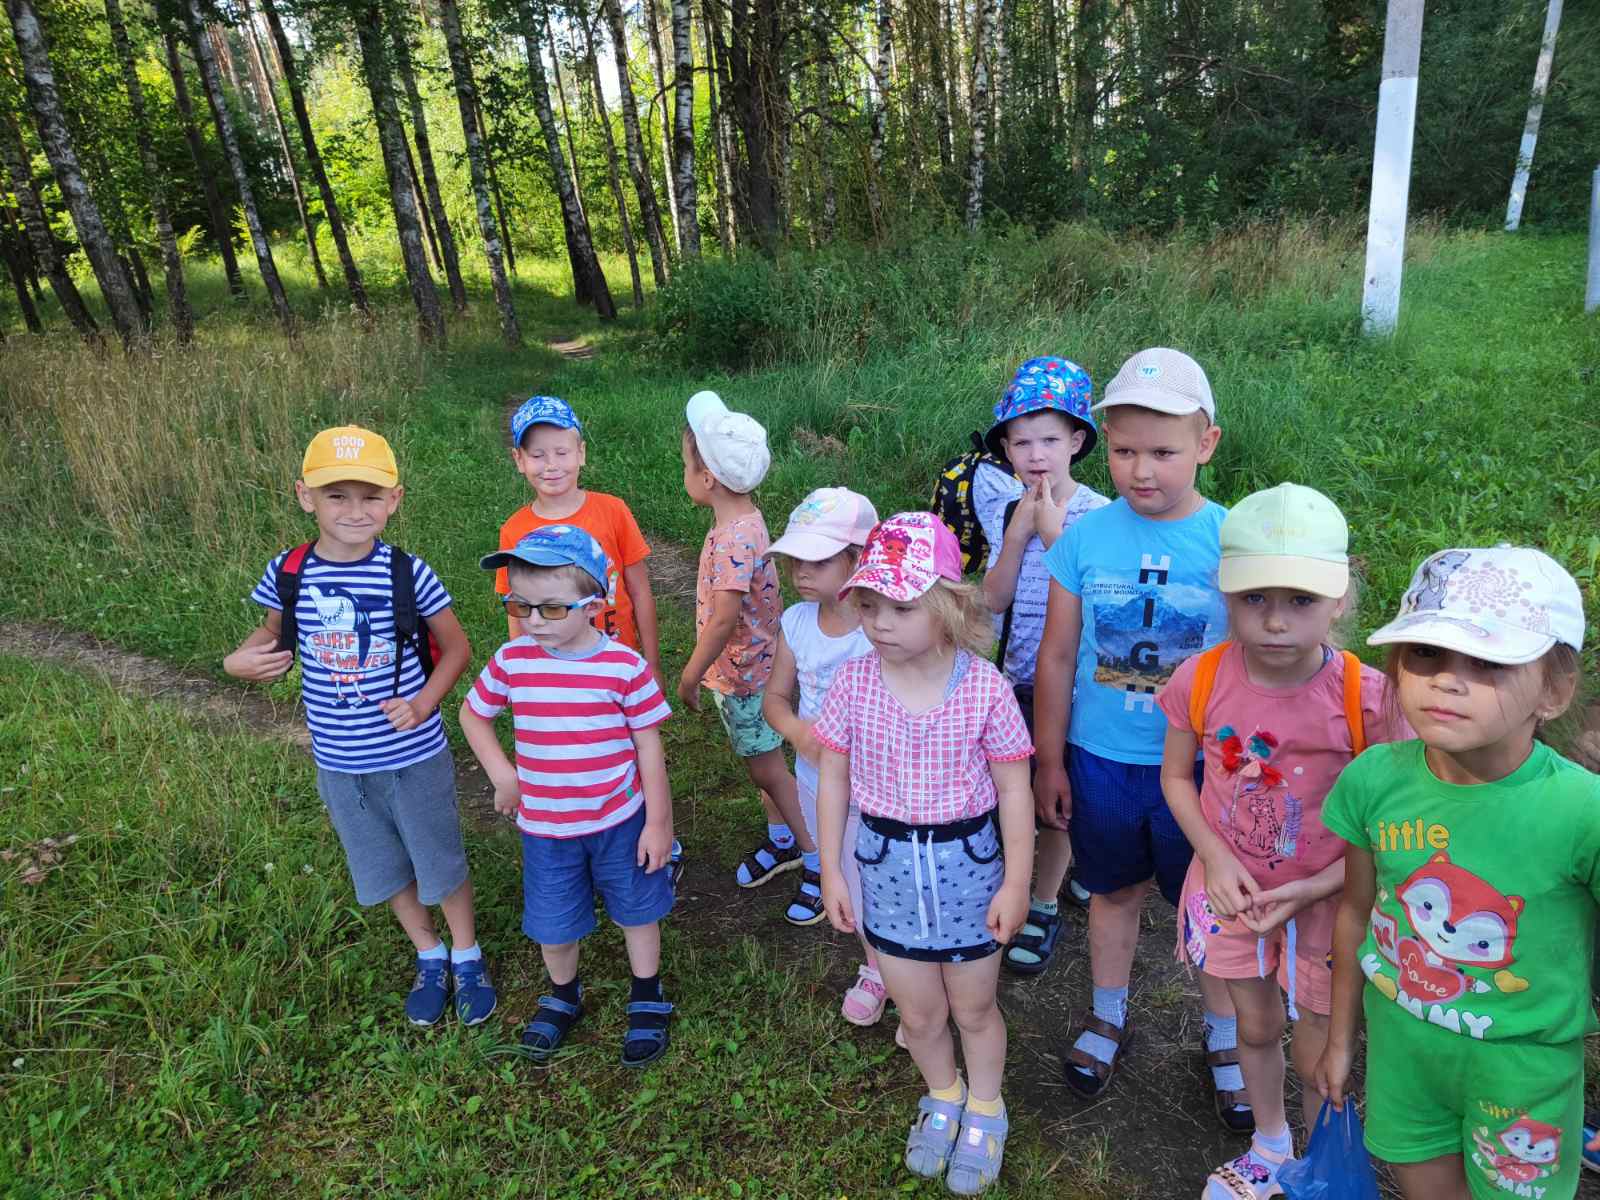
1513 1110
747 728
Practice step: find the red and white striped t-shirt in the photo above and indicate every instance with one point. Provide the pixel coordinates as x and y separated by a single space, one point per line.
573 720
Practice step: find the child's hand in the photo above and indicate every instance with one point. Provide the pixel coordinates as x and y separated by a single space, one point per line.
1052 797
1274 907
507 795
806 745
1007 911
836 901
259 664
1022 523
1230 888
1333 1072
689 692
655 846
404 714
1048 514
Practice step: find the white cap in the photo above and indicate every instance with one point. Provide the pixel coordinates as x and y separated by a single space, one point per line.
732 445
1507 604
1167 381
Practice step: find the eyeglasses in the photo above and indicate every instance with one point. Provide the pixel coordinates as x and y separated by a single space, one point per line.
550 612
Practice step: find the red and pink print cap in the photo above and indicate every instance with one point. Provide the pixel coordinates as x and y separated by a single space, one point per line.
905 556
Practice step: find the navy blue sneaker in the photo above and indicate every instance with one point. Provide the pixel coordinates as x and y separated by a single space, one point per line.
675 863
475 997
430 993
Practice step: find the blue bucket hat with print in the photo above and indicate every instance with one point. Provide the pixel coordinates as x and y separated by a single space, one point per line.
1040 385
543 410
555 546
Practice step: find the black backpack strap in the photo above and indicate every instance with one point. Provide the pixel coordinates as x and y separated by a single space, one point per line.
287 582
1005 621
408 626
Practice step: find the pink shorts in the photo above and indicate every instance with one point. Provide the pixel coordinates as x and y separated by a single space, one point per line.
1299 952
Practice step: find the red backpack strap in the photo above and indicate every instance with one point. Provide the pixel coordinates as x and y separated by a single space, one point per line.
287 582
1205 678
1352 702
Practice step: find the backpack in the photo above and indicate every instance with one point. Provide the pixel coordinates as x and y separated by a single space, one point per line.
1205 677
952 501
409 629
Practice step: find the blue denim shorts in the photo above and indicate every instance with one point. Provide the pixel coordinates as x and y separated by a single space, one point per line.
926 889
562 876
398 827
1122 831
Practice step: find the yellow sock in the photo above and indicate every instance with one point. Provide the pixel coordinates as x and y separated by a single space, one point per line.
986 1108
954 1094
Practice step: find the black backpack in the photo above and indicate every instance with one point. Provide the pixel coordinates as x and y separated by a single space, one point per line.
952 501
409 629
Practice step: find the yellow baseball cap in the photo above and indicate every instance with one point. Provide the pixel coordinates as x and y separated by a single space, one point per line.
349 452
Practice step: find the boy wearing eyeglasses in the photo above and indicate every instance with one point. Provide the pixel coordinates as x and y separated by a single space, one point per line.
589 785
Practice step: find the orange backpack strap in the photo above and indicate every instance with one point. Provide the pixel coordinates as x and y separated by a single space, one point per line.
1352 702
1205 677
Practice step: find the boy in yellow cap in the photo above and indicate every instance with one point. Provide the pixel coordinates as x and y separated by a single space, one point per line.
379 648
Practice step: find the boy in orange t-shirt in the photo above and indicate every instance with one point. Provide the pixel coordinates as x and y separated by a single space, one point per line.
548 449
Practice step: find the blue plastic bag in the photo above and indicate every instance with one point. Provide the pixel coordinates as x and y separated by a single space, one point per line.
1336 1165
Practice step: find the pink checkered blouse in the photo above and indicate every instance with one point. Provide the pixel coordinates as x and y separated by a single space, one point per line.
927 768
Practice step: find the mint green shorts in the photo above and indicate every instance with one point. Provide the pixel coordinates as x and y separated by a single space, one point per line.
747 728
1512 1109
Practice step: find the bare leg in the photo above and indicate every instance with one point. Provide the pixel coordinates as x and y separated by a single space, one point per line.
770 773
1260 1007
561 961
416 920
644 948
1442 1178
1052 861
1214 995
458 915
917 989
970 991
1310 1038
1114 934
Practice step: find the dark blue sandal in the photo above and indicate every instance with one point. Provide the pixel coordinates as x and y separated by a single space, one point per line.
647 1036
1041 945
550 1026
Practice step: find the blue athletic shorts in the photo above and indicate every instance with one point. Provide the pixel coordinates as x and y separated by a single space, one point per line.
1122 831
561 877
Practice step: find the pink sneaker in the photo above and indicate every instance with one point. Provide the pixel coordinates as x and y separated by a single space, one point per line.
864 1001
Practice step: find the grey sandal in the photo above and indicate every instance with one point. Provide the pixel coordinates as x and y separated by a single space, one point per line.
933 1136
972 1166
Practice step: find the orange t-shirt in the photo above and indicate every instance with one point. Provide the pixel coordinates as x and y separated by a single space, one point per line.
612 525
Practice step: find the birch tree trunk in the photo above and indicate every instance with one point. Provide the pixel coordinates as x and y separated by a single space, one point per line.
429 239
308 142
430 178
683 130
494 184
613 167
566 117
269 104
177 294
1085 93
211 79
467 103
751 39
11 252
937 43
221 227
50 120
37 226
721 162
880 114
584 259
982 44
643 186
1530 130
652 25
402 193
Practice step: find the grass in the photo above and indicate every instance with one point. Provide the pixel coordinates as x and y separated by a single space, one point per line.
190 1021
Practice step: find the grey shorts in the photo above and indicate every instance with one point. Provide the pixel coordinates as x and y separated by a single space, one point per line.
397 827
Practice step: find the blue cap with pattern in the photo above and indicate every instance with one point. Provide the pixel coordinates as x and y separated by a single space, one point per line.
554 546
543 410
1045 384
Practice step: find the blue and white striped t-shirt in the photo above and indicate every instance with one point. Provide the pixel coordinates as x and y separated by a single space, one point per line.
345 627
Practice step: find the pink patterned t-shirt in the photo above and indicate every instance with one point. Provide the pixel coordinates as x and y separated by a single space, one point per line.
927 768
733 559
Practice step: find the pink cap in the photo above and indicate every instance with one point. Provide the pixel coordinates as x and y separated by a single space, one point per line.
905 556
824 523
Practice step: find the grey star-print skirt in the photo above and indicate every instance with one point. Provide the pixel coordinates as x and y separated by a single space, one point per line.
926 889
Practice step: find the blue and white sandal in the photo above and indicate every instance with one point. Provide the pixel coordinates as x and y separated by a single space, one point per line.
980 1150
1590 1158
647 1036
933 1136
545 1033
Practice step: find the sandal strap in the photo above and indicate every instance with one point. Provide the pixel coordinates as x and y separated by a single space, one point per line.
1112 1033
655 1008
1232 1099
1088 1062
977 1157
1223 1058
557 1005
929 1107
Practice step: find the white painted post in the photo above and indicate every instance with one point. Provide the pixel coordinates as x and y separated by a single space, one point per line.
1530 131
1591 300
1391 167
